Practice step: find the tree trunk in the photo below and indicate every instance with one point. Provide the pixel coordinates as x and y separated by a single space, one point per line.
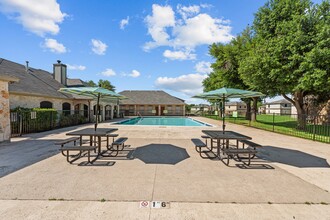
298 102
248 110
254 109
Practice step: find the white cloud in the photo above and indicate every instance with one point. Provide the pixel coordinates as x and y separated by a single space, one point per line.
190 84
135 74
76 67
123 23
191 30
99 47
39 17
199 30
188 11
203 67
162 17
108 72
179 55
54 46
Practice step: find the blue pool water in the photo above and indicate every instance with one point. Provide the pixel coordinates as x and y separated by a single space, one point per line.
165 121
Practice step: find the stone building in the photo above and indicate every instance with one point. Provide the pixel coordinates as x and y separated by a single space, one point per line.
36 88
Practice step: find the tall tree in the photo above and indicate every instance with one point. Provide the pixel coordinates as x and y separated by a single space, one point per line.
290 52
91 83
225 69
106 85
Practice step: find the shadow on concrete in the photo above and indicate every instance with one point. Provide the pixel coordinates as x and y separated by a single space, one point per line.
125 154
15 156
97 164
161 154
291 157
252 166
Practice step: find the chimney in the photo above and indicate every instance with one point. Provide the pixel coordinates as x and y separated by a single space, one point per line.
59 71
27 66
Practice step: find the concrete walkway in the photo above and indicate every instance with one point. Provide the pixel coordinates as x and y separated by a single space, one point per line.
290 179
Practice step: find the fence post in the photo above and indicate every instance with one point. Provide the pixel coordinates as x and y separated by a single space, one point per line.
314 128
20 123
273 122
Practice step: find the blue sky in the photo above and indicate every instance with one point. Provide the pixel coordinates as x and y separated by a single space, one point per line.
135 44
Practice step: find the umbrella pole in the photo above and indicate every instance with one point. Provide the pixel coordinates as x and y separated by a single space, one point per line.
97 110
223 114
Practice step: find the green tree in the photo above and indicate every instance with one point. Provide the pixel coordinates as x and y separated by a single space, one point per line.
91 83
225 69
290 51
106 85
188 108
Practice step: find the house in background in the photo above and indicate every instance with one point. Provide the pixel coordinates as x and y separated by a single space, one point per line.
239 107
151 103
199 109
280 107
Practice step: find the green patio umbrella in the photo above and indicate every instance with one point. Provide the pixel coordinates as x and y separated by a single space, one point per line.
95 92
224 93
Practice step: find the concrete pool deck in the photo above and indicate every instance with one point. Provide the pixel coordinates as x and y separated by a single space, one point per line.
290 179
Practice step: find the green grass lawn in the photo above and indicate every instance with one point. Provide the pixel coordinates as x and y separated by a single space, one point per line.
284 124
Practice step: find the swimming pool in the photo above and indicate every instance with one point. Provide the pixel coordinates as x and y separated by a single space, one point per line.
164 121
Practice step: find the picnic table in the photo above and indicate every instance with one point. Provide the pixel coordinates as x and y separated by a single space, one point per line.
222 138
92 133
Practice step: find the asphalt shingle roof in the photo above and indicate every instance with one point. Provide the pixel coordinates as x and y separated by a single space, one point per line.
33 81
149 97
282 101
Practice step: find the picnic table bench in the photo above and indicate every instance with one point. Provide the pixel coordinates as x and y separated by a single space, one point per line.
232 152
199 144
81 149
66 141
250 144
118 142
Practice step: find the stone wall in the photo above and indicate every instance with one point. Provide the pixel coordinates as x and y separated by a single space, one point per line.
26 101
4 112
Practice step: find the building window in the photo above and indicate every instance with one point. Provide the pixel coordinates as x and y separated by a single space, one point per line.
66 108
177 109
285 105
77 109
131 109
141 109
85 111
150 108
169 109
46 104
100 108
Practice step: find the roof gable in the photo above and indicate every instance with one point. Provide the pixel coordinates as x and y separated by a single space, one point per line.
282 101
149 97
33 81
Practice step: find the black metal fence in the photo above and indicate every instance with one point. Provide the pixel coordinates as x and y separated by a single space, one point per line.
314 127
24 122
